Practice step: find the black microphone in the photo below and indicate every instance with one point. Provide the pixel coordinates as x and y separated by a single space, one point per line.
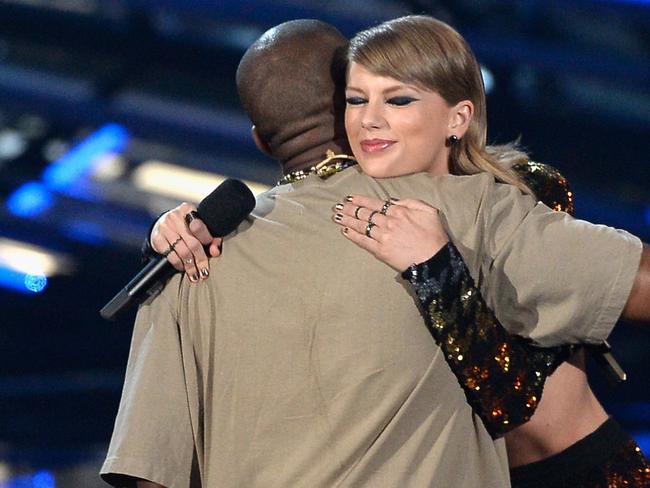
221 211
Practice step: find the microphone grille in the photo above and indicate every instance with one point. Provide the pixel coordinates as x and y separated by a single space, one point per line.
226 207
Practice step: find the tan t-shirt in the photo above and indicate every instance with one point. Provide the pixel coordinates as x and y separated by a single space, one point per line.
303 361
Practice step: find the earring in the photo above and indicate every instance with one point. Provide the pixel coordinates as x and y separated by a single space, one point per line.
453 139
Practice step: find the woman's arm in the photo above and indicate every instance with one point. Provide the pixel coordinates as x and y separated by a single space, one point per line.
501 374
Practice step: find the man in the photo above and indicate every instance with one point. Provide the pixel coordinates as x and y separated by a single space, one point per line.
304 362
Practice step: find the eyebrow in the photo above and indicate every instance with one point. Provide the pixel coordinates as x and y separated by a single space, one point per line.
387 90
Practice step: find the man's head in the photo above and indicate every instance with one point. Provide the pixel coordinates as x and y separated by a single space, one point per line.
291 83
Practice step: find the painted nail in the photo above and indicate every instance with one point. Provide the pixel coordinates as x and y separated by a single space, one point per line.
345 230
338 217
348 198
194 278
205 272
393 199
338 206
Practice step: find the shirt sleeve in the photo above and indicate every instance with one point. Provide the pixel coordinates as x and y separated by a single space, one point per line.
551 277
152 437
502 375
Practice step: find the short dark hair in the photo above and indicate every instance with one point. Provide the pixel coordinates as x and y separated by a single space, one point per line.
291 82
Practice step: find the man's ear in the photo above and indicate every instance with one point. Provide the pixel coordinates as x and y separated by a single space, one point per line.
261 144
460 116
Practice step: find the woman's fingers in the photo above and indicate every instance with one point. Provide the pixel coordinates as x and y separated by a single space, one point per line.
181 237
398 232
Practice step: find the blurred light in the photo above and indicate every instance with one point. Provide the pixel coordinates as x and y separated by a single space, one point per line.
12 144
109 167
181 183
43 479
27 259
488 79
18 281
647 215
40 479
86 231
643 440
29 200
81 159
35 283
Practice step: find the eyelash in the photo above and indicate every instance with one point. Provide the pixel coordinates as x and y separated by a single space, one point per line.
397 101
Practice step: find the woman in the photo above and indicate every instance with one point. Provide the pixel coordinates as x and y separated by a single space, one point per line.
430 112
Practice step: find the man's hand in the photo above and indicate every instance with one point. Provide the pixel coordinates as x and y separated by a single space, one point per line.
184 238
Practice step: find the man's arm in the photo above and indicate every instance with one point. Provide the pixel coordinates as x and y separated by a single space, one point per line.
637 307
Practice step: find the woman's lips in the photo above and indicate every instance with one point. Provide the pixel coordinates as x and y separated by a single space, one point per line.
375 145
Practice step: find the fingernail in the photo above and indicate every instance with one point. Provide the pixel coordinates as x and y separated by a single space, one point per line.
205 272
338 217
194 278
338 206
348 198
393 199
345 230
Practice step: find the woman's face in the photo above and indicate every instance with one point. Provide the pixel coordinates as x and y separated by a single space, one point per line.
394 128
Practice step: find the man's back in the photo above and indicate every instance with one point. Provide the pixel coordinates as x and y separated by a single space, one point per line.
314 367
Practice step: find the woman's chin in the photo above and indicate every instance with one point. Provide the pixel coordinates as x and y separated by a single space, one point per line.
376 171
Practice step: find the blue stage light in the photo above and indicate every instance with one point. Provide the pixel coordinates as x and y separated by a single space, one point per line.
43 479
24 283
40 479
74 165
29 200
35 283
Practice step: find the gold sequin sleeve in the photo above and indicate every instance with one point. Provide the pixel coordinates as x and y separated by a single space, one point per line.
501 374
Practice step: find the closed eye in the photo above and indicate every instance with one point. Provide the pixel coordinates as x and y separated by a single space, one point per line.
401 101
355 100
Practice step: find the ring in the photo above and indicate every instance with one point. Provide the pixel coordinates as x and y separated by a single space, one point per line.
369 228
172 246
385 207
190 216
371 216
356 213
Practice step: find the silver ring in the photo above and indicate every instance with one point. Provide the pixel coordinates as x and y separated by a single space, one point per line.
372 214
356 213
369 228
172 246
387 204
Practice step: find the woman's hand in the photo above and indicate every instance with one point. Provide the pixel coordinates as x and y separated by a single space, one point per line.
181 236
398 232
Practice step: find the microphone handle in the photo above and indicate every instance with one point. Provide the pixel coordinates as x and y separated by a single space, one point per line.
150 278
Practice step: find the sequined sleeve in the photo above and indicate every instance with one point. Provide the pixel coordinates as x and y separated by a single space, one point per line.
501 374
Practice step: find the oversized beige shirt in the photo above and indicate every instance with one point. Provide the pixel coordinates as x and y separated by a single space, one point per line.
303 361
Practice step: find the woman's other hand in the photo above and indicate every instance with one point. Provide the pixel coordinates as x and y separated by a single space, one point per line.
181 236
397 232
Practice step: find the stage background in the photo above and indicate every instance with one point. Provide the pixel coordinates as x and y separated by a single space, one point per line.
112 111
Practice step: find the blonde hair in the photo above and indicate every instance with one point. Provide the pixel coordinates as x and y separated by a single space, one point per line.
426 52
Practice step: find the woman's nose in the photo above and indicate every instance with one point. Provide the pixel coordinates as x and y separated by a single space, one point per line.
372 117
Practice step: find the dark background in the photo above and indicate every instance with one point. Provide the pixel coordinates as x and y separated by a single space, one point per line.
91 92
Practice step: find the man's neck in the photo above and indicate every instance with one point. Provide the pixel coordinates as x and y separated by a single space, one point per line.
315 155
